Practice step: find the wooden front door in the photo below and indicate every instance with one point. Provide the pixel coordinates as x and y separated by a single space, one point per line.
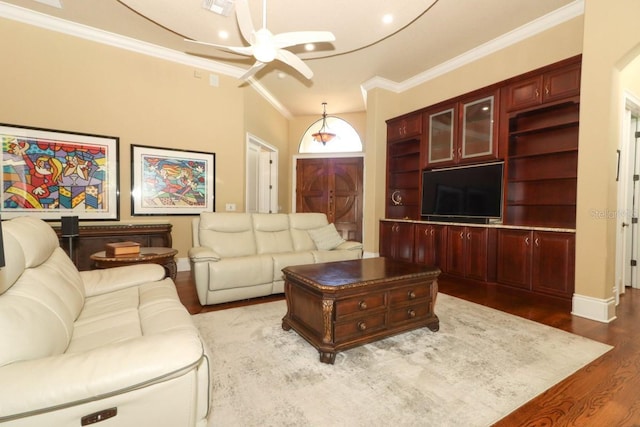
334 187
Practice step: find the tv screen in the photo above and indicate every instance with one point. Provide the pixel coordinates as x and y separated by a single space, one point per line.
471 193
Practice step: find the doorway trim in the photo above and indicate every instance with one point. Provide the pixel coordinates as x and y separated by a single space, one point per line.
627 158
261 179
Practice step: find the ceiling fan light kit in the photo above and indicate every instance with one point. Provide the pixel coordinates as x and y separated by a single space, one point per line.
264 46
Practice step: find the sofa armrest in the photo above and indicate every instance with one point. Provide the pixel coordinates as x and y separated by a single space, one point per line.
350 246
73 378
98 282
203 254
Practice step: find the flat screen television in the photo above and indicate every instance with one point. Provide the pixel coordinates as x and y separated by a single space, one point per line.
464 194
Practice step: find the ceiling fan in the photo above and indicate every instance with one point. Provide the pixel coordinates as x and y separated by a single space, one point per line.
264 46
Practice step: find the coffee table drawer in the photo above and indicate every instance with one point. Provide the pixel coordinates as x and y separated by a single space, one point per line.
345 331
409 293
409 313
361 304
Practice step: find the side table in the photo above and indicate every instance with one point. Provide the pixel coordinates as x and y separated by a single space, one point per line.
162 256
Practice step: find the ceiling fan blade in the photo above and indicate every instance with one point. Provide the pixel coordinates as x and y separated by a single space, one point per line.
301 37
257 66
295 62
243 15
242 50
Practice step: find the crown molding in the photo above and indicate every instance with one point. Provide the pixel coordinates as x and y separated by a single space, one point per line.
550 20
52 23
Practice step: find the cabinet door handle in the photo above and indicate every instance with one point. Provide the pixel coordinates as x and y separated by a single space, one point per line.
537 93
546 90
432 231
362 305
362 326
537 242
411 295
468 236
462 234
411 313
526 241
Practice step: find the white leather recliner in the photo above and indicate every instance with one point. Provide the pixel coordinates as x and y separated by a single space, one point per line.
79 348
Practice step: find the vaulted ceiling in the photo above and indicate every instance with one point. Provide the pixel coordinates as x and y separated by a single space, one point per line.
425 37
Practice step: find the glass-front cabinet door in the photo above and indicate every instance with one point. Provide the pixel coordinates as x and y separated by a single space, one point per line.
441 137
477 128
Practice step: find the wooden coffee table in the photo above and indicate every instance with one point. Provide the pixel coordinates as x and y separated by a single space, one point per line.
340 305
163 256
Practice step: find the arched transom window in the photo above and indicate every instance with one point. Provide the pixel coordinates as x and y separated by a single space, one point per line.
346 140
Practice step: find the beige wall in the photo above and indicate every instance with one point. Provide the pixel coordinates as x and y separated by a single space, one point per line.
55 81
611 41
265 122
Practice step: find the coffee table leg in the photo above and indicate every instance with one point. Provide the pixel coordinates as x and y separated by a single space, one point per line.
327 357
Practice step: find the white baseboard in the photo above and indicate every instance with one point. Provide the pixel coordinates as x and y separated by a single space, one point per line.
602 310
183 264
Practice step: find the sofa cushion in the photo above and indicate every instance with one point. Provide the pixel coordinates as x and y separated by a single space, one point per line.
114 317
300 223
288 259
326 237
272 233
240 271
228 234
14 261
44 300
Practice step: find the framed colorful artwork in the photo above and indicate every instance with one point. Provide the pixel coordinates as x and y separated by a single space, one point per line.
51 173
171 182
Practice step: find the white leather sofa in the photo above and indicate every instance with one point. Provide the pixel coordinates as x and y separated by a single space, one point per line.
240 255
77 347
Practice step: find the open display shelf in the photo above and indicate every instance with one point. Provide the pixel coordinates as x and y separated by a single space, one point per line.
543 166
403 179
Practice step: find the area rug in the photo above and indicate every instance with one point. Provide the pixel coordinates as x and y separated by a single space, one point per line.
480 366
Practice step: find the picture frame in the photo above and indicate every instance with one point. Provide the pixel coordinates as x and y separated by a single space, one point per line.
171 181
51 173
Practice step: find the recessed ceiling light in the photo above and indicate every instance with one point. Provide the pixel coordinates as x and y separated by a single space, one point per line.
309 47
224 35
281 75
387 18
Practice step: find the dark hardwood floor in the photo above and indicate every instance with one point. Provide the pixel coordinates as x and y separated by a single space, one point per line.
603 393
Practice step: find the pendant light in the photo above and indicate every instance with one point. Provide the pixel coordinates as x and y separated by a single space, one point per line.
323 135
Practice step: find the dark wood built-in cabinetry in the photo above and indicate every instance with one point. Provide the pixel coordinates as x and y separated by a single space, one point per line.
399 240
461 131
539 261
557 83
93 238
403 167
532 123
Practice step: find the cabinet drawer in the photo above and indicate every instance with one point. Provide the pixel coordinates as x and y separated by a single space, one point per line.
409 293
409 313
362 326
363 304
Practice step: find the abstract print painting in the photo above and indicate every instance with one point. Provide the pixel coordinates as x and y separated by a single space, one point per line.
171 182
51 174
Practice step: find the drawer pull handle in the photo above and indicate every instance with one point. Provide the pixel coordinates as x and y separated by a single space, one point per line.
411 313
362 326
362 305
411 295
